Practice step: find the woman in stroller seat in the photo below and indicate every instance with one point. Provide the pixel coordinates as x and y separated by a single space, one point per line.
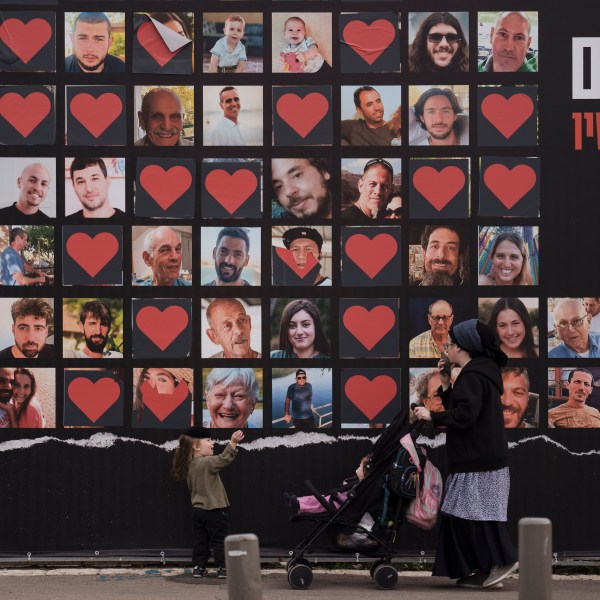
307 505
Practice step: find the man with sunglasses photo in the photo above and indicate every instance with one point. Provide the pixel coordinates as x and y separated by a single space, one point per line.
430 343
572 326
375 189
440 46
227 131
299 396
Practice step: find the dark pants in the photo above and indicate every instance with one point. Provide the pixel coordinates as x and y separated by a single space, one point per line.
210 527
307 424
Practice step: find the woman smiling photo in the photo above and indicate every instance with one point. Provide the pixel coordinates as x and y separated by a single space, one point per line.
511 320
510 262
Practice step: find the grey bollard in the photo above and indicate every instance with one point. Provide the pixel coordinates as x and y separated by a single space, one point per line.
242 559
535 559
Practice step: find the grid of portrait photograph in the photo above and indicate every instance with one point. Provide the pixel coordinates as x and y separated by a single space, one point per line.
270 218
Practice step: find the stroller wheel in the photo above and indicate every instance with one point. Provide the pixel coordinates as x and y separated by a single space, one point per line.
385 577
296 561
374 567
300 576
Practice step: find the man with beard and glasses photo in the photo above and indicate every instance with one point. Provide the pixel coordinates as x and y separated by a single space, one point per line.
31 318
445 256
91 40
161 116
437 112
302 188
229 327
515 398
95 323
231 254
33 185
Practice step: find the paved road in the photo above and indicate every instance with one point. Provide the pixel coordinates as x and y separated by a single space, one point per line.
168 584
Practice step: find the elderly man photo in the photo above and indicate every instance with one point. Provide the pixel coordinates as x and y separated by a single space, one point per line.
304 242
163 254
91 184
437 112
229 327
372 129
375 189
440 46
510 39
302 188
95 323
430 343
572 325
574 412
31 318
592 308
231 396
445 256
515 397
33 185
91 40
228 131
231 254
161 116
13 267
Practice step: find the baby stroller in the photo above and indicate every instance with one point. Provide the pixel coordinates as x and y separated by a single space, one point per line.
385 494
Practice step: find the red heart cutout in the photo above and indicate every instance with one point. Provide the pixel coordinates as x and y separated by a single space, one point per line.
162 405
509 185
162 326
287 256
438 187
25 40
302 114
25 114
371 255
369 326
92 254
165 187
370 397
507 114
96 114
93 399
231 190
155 46
369 41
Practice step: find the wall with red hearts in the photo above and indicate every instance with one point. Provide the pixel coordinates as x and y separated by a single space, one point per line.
95 477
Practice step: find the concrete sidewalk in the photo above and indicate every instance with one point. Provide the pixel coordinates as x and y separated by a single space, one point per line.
169 583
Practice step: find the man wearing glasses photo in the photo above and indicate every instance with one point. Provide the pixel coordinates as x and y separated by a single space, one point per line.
430 343
227 132
299 396
572 325
440 46
375 189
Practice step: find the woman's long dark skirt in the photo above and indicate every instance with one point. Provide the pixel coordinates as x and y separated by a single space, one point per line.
465 546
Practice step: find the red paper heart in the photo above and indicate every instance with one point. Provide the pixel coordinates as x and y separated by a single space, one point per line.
155 46
509 185
92 254
25 114
25 40
371 255
93 399
369 41
369 326
231 190
165 187
162 326
287 256
507 114
370 397
96 114
302 114
438 187
162 405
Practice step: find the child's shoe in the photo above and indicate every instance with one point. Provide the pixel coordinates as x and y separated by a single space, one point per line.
199 572
291 501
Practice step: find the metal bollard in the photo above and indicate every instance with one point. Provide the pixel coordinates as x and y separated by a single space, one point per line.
242 559
535 559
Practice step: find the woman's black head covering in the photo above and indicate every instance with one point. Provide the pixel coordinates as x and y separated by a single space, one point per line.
478 340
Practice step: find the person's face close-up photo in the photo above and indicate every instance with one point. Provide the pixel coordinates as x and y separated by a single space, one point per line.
164 122
580 387
514 399
573 325
441 254
91 187
438 117
301 248
95 333
230 329
510 42
33 185
511 329
22 388
440 319
230 104
300 187
507 263
371 107
231 256
294 32
165 260
229 405
301 332
30 335
375 187
441 50
234 31
91 42
162 381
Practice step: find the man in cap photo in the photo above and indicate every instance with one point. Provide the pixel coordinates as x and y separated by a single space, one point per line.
306 244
